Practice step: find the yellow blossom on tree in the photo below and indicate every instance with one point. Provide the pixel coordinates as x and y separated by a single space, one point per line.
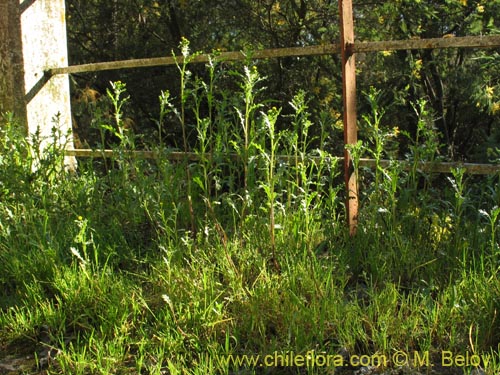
417 67
490 91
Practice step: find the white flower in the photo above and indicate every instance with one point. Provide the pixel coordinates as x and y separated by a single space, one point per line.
77 254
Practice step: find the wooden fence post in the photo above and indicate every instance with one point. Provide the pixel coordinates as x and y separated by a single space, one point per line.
34 33
349 98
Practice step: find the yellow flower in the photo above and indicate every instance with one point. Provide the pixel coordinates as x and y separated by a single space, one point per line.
381 20
490 91
417 68
480 8
339 124
396 131
495 108
386 53
463 2
80 218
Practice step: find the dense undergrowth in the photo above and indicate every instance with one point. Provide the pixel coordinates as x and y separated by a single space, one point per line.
158 266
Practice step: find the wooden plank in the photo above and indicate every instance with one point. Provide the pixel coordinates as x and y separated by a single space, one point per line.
435 167
98 154
349 116
486 41
428 167
325 49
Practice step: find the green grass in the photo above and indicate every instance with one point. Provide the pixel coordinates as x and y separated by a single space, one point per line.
133 269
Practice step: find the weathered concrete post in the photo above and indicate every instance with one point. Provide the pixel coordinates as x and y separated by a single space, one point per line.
36 34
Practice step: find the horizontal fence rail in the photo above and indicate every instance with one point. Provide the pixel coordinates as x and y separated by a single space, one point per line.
485 41
431 167
326 49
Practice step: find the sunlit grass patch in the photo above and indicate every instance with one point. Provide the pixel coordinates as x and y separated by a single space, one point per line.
131 269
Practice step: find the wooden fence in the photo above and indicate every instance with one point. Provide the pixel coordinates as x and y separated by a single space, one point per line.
486 41
423 166
348 48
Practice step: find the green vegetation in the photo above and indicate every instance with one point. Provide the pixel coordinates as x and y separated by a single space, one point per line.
461 86
150 266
